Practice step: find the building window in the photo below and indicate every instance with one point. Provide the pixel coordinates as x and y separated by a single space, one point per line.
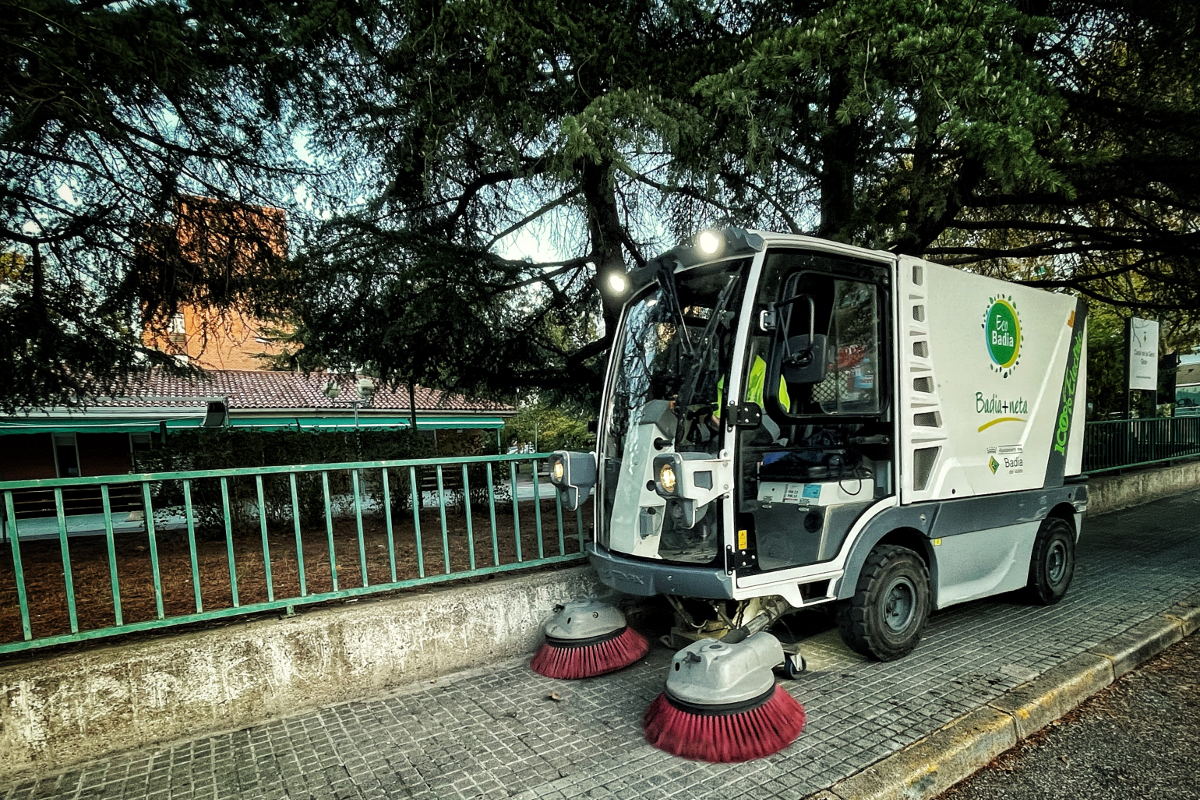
139 443
177 330
66 455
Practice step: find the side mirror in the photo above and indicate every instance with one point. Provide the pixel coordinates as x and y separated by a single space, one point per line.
805 359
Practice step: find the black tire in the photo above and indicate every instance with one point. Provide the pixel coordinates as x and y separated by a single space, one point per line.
884 618
1052 564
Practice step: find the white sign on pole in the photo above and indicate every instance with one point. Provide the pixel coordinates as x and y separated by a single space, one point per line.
1143 354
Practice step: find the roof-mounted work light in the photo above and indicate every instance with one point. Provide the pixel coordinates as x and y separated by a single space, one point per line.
617 282
710 243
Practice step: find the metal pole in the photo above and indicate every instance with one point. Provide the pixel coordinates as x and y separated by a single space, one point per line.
1128 367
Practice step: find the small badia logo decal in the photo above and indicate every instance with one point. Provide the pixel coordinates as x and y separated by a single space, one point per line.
1002 333
993 464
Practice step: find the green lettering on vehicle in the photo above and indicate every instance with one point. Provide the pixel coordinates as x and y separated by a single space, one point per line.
1070 384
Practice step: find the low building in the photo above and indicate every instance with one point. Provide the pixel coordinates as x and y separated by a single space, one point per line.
1187 390
104 437
101 438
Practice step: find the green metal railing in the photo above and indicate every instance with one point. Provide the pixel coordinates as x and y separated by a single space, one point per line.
197 546
1111 445
253 540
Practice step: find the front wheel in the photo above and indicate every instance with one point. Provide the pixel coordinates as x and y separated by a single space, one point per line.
1053 562
884 618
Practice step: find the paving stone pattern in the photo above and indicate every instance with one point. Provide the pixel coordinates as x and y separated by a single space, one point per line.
496 732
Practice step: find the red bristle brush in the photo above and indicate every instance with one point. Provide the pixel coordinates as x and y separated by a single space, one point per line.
586 638
724 736
715 707
563 658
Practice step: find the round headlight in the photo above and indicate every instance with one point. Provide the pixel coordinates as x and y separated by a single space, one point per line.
666 478
557 470
710 242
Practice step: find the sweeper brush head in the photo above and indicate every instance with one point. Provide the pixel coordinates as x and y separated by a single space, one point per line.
721 703
570 660
739 734
586 638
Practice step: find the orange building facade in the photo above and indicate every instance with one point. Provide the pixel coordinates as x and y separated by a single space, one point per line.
227 245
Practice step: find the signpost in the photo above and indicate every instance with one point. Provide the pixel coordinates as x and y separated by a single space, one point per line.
1141 368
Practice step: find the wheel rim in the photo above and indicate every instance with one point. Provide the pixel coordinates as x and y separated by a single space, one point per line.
1056 562
899 604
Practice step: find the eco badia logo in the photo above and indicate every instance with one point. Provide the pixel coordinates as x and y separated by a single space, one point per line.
1002 328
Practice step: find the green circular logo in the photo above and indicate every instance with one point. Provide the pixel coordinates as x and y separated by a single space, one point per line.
1003 331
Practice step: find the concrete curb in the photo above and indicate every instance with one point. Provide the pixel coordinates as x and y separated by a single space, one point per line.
1127 650
933 764
1188 614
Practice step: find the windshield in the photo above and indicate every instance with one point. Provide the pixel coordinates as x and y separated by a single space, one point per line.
676 349
670 362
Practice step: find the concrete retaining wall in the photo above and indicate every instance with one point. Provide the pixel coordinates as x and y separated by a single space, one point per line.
64 709
1108 493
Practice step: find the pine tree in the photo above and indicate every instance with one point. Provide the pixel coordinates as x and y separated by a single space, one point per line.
109 113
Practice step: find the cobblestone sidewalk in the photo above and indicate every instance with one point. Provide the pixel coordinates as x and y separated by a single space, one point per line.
497 733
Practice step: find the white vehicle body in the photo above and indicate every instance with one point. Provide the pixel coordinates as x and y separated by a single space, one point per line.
946 417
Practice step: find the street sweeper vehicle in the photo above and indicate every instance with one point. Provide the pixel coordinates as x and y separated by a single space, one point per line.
788 422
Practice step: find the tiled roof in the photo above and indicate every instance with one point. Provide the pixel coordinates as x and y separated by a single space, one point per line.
260 389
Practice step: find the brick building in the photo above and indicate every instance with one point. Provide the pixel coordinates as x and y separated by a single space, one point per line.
225 242
203 266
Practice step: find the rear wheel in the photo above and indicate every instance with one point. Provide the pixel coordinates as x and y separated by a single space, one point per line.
884 618
1053 562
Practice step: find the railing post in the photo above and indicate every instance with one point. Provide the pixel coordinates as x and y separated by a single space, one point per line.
233 589
445 534
387 516
492 515
329 530
266 546
358 526
18 571
66 560
467 513
299 538
106 509
418 497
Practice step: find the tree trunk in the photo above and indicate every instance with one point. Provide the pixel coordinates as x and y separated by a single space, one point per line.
839 153
604 225
412 406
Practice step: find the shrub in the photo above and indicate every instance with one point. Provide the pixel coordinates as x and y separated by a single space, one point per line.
234 448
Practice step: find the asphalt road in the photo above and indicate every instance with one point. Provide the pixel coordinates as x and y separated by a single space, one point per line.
1138 738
